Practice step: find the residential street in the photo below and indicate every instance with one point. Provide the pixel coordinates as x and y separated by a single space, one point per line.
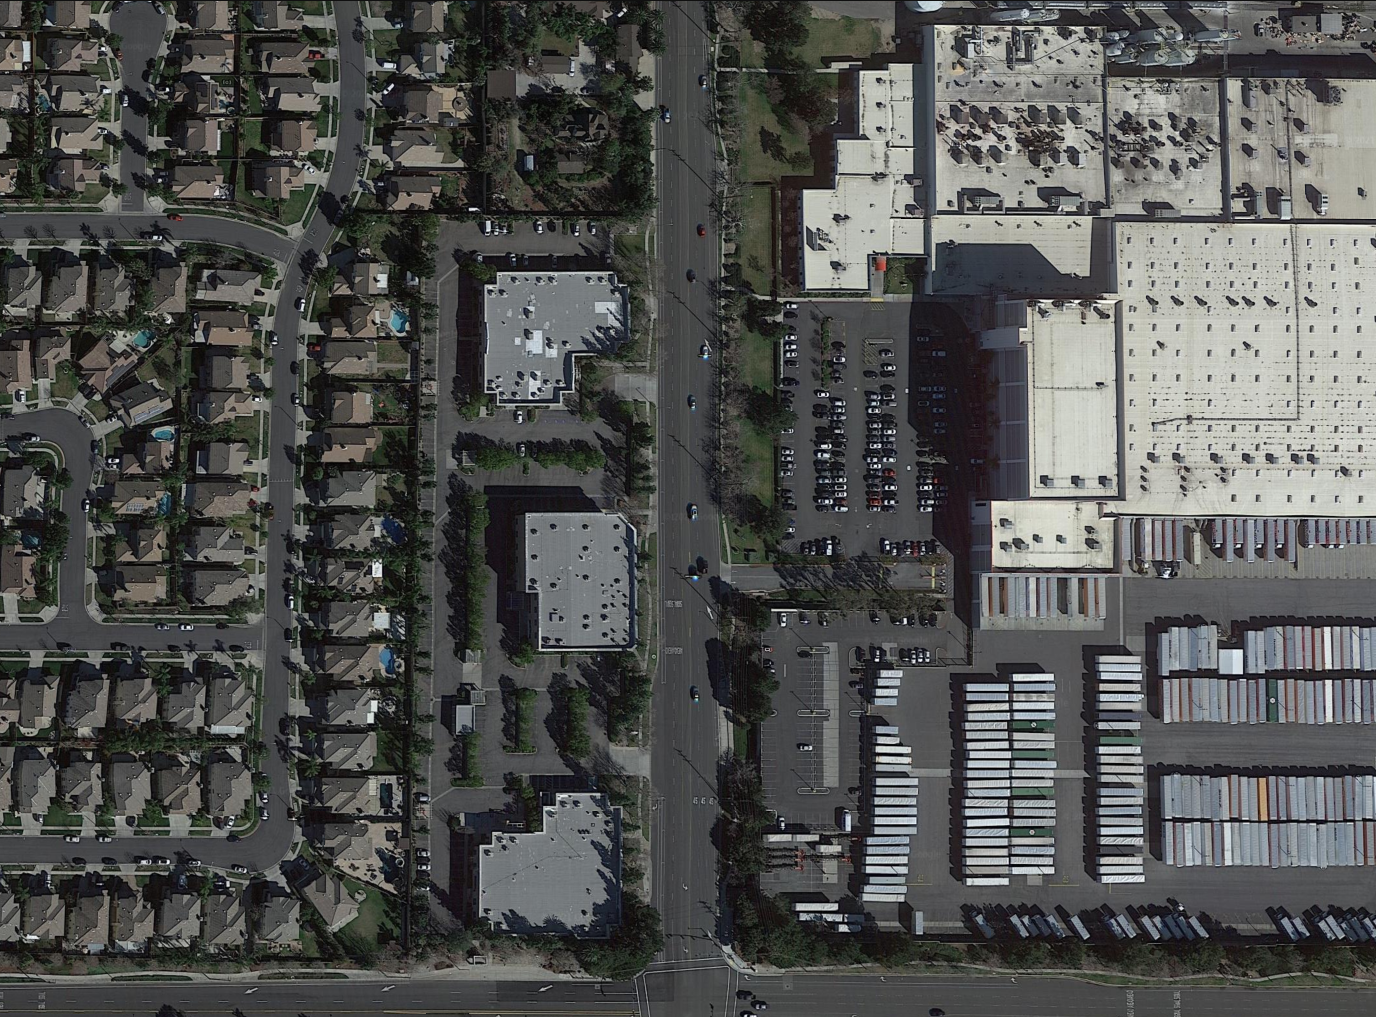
272 840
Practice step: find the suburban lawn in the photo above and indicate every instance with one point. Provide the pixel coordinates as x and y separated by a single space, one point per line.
833 37
373 925
767 144
757 238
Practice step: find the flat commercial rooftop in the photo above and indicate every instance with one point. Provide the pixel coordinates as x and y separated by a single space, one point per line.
1059 360
872 206
1244 376
535 325
1019 116
1020 255
1164 146
580 568
564 880
1288 136
1046 533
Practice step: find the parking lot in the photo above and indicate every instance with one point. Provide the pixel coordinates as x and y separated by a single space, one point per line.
925 716
871 385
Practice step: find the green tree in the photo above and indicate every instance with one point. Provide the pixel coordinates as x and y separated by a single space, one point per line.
631 947
576 742
496 457
767 411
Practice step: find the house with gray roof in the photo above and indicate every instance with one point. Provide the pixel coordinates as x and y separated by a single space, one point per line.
347 750
177 785
279 918
359 576
135 584
342 843
217 499
346 619
88 920
348 531
88 702
215 587
35 779
223 371
351 489
228 784
135 918
240 287
141 403
68 281
168 284
79 782
178 921
139 544
21 493
348 795
11 917
45 917
229 704
133 699
330 897
226 921
37 700
272 16
7 778
347 707
113 289
222 459
184 706
290 94
23 287
214 544
131 785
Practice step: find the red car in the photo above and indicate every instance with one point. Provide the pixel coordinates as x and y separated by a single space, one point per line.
702 230
174 217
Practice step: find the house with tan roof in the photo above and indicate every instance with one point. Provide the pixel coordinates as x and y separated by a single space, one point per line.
351 407
352 489
290 94
71 174
139 544
417 146
347 707
68 281
279 919
88 920
178 921
345 619
224 370
135 918
271 16
51 347
223 328
223 407
70 53
18 573
133 699
15 55
199 183
79 782
229 784
340 445
348 664
411 192
215 545
45 917
223 459
135 497
293 137
168 284
37 692
113 289
347 531
226 921
87 706
73 93
35 779
16 367
203 54
209 16
217 499
346 795
101 367
348 358
141 403
229 704
197 137
330 898
135 584
276 180
283 56
75 135
230 286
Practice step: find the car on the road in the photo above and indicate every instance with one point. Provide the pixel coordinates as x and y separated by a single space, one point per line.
693 692
174 216
692 404
186 627
85 504
72 838
705 352
29 438
272 337
664 114
103 838
160 860
124 99
262 815
162 626
519 416
760 1004
702 81
241 869
193 863
702 230
291 602
692 276
539 226
692 512
296 398
300 303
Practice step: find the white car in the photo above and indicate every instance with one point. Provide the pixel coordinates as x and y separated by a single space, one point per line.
790 305
783 619
300 303
186 627
539 226
705 352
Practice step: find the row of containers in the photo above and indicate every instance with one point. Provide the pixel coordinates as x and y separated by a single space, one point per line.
886 681
1273 820
1335 925
1009 795
1269 648
1205 700
1237 538
829 914
886 850
1120 774
1156 922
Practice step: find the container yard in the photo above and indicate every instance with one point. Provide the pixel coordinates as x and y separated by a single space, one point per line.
1208 700
1008 816
1120 776
1273 820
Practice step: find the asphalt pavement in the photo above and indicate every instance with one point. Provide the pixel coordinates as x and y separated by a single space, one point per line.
142 27
271 840
688 737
